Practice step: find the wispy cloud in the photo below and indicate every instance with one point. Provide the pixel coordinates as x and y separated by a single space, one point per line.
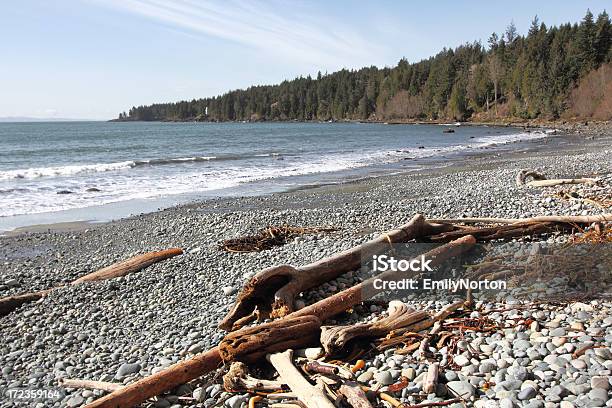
283 29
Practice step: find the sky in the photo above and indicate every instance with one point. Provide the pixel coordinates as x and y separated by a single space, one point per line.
91 59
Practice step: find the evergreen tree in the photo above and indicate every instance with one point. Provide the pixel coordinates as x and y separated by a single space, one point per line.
531 75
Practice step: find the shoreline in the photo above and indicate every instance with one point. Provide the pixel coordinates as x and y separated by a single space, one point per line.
458 160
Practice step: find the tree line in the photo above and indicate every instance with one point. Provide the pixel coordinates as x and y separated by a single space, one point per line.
523 76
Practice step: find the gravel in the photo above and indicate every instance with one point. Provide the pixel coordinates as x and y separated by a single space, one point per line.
126 328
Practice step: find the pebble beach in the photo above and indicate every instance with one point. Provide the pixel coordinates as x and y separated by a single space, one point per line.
127 328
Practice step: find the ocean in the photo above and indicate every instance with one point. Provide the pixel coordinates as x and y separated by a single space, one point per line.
68 171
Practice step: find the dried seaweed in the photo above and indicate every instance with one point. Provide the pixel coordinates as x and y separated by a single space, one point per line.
269 237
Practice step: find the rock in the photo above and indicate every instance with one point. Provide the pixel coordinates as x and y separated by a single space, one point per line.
450 376
409 373
127 369
604 353
365 377
236 401
520 373
566 404
462 388
521 345
599 381
578 364
383 377
199 394
558 332
581 307
75 401
486 348
162 403
228 290
598 394
11 283
559 390
461 360
506 403
486 367
534 404
527 393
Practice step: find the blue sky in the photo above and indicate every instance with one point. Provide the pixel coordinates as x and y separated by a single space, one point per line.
95 58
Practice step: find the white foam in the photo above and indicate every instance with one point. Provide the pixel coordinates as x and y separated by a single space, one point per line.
38 193
39 172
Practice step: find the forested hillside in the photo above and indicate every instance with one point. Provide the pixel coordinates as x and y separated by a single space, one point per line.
537 75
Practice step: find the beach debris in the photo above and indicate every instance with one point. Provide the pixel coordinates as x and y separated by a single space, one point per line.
134 264
431 378
269 237
322 382
354 395
540 180
238 379
334 338
10 303
309 394
128 266
89 384
574 196
296 330
254 343
272 292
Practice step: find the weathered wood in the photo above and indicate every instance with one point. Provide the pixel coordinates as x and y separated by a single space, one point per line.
238 379
160 382
310 395
523 175
90 385
502 232
570 219
540 180
422 351
354 395
431 378
315 367
334 338
342 301
253 343
10 303
272 292
131 265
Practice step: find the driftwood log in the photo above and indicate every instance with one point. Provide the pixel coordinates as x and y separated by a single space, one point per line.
10 303
135 264
334 338
569 219
354 395
312 396
239 342
90 385
540 180
128 266
238 379
253 343
431 378
272 292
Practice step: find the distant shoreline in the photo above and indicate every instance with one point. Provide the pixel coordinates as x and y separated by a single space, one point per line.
565 124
